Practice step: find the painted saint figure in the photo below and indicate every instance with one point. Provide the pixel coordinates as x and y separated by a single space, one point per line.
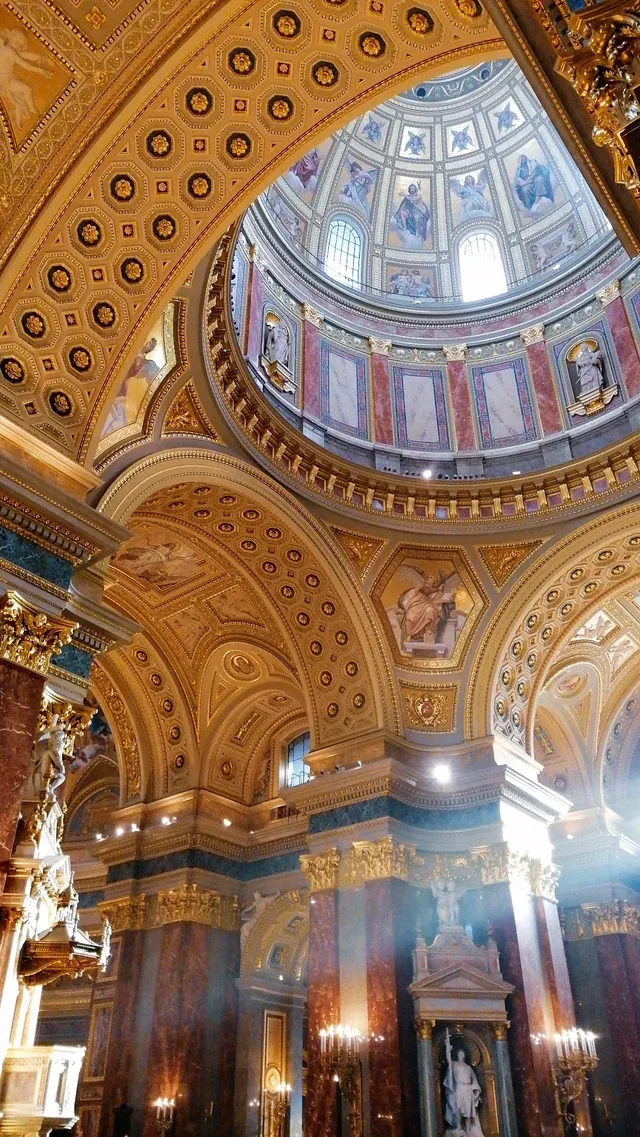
532 183
421 609
357 189
588 363
131 395
462 1095
413 215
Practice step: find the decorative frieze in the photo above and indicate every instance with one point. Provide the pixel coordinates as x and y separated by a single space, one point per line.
29 638
321 870
187 903
378 860
616 919
125 915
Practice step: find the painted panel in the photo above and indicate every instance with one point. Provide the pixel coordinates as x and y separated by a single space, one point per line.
343 390
503 404
421 413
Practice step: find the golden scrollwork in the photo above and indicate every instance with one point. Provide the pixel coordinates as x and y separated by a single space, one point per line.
617 918
379 860
128 746
127 914
29 638
321 869
191 904
604 71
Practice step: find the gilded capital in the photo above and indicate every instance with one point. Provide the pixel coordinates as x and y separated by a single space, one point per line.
454 353
125 915
425 1028
379 860
312 315
379 347
29 638
499 1031
58 714
191 904
617 918
609 293
321 870
532 335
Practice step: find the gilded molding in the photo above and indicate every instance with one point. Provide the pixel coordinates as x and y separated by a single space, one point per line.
29 638
532 335
321 870
609 293
116 710
455 353
188 903
378 860
125 915
616 919
430 708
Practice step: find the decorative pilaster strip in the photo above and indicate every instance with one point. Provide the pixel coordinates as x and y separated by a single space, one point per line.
321 870
28 637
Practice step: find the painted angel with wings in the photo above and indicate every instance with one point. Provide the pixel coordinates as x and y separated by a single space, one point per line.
424 609
471 192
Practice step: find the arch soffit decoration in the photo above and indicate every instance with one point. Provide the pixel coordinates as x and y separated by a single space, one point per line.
538 617
314 629
283 922
182 154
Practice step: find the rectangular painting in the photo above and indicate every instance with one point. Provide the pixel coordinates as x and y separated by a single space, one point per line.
410 219
303 176
470 197
505 118
461 139
356 186
421 411
343 390
374 128
155 558
427 605
503 404
154 361
533 180
32 78
549 250
404 280
415 143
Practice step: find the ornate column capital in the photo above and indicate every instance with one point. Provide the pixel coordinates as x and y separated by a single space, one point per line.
125 915
425 1028
455 353
532 335
379 860
609 293
379 347
616 919
191 904
312 315
499 1031
28 637
58 714
321 870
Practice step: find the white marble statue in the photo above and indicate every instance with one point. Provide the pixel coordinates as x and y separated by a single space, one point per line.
276 343
250 914
47 765
589 370
462 1095
447 895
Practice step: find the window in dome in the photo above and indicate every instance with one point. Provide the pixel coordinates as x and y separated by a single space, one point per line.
481 267
343 254
298 770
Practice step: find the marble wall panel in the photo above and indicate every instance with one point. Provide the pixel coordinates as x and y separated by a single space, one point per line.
310 396
343 390
625 346
385 1091
20 694
420 408
504 407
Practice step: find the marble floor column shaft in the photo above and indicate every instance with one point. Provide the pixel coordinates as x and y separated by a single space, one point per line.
427 1081
323 993
20 696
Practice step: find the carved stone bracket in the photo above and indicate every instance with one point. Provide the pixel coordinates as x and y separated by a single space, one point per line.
57 713
29 638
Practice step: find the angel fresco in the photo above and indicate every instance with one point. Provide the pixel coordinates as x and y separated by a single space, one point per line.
471 192
356 190
372 129
15 91
414 144
427 607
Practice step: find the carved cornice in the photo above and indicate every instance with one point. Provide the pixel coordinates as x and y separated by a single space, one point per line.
321 870
298 463
29 638
616 919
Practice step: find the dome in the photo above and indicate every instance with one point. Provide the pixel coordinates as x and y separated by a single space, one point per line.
457 191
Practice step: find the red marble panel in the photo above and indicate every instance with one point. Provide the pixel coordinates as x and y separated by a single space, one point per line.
461 405
621 1016
404 931
323 1001
254 315
385 1090
513 919
176 1049
20 695
544 388
116 1080
227 949
311 369
380 385
625 345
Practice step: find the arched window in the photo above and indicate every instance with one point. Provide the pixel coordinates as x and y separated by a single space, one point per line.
298 771
343 254
481 268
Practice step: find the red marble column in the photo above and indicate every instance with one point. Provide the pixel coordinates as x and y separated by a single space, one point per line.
621 1007
393 1084
625 344
460 397
381 391
310 399
323 1002
513 915
20 696
542 379
254 315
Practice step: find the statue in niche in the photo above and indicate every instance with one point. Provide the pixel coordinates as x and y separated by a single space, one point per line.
276 352
447 895
586 366
462 1093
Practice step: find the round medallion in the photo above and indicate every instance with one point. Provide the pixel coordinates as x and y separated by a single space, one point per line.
287 591
167 706
80 359
358 700
60 403
332 710
175 734
280 108
33 324
141 656
226 527
89 233
419 21
328 608
199 186
122 187
251 514
341 638
12 370
238 145
242 61
159 144
303 619
286 24
325 74
132 270
199 101
273 534
312 580
163 227
326 678
471 9
351 668
248 546
59 278
372 45
315 647
294 555
269 567
228 499
156 680
179 761
104 314
226 769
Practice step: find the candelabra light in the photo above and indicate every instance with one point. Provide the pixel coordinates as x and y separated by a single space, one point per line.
575 1056
340 1056
281 1107
165 1114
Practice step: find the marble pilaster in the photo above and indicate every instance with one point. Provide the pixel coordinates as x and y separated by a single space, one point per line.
429 1126
461 403
381 391
542 379
20 696
311 361
323 994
